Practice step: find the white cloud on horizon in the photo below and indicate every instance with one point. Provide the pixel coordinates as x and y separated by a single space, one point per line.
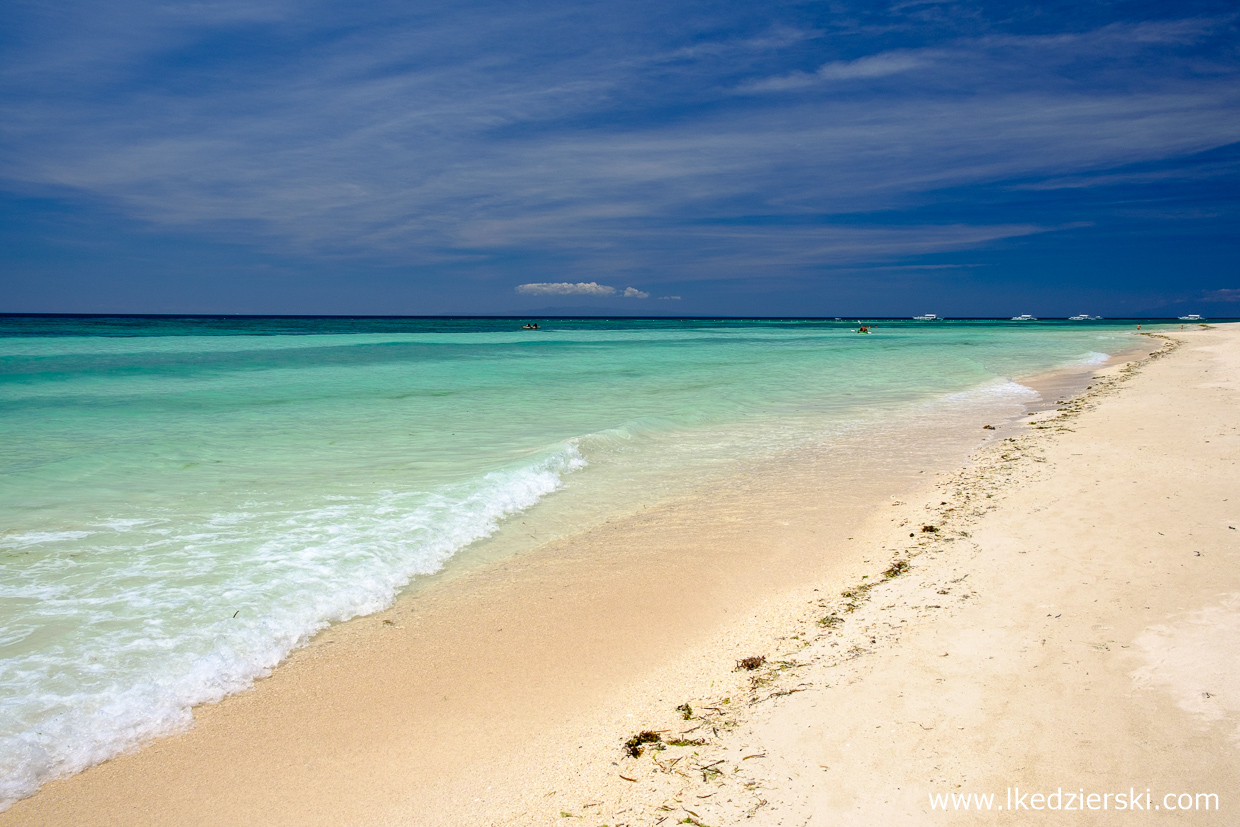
564 288
580 288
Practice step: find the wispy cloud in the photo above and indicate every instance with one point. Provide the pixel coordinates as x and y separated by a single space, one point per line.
874 66
1227 294
870 66
758 252
992 60
477 136
1180 173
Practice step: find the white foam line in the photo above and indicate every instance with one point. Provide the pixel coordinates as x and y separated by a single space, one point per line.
67 710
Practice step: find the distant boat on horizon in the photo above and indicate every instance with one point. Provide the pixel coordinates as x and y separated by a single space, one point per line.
929 317
1191 317
1084 317
1024 318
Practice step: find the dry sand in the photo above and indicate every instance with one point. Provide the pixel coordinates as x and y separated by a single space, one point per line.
1073 621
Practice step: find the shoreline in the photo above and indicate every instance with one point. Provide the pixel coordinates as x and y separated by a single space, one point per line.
463 738
1049 384
998 652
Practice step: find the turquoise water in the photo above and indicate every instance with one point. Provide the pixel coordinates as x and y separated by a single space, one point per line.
183 502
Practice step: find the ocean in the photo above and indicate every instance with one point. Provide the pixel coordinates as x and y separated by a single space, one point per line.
184 501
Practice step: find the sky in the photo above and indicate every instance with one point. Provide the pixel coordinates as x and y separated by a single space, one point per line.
628 156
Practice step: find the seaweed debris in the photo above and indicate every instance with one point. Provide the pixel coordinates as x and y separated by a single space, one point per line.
636 745
898 567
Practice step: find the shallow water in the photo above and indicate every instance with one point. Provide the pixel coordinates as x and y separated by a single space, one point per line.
182 502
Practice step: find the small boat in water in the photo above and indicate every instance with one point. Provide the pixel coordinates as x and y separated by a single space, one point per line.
1084 317
1191 317
1024 318
929 317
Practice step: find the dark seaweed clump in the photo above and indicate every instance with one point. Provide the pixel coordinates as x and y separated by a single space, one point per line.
636 745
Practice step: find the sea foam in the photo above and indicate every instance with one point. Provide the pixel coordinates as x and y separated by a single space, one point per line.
173 642
1092 359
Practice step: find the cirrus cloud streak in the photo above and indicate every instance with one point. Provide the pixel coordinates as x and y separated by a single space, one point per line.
472 137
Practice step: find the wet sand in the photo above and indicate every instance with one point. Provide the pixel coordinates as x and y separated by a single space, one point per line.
1070 629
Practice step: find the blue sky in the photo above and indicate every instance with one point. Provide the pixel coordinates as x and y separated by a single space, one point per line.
777 158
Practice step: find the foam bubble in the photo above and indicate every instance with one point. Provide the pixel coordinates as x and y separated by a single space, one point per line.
139 648
999 389
35 538
1092 359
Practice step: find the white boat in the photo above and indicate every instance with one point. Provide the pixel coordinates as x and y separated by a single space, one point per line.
929 317
1024 318
1191 317
1084 317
